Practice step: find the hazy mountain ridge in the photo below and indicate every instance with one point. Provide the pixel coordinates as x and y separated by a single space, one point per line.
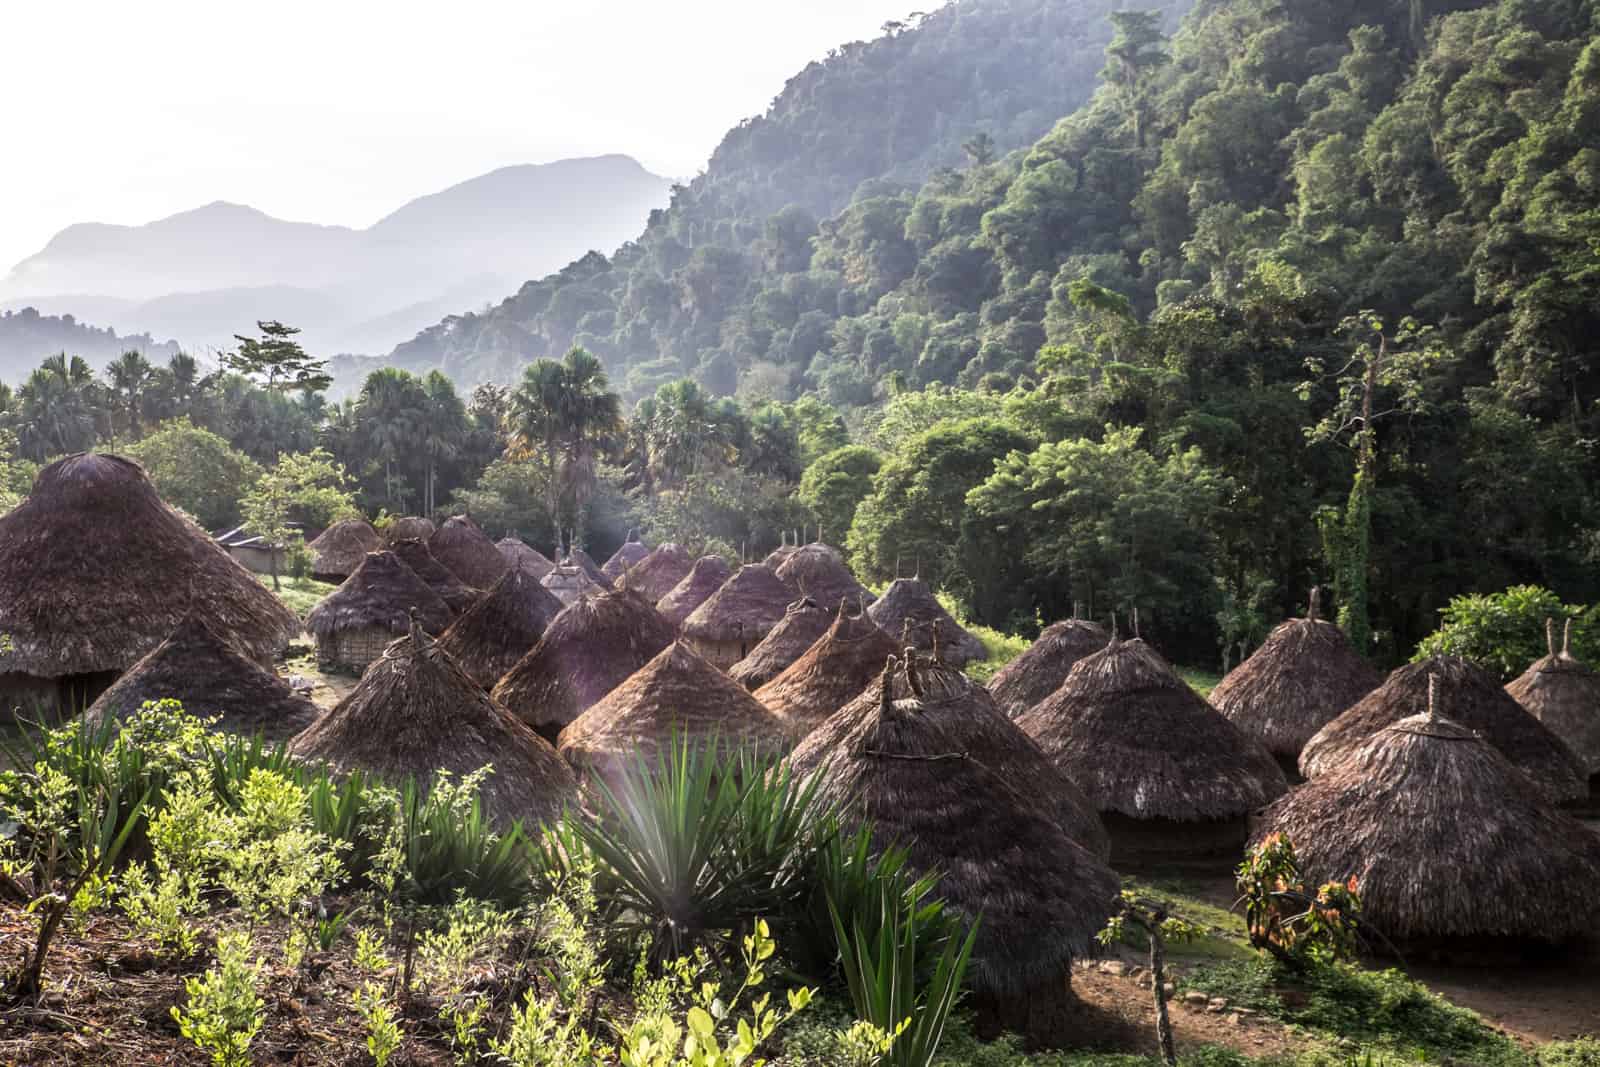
352 290
28 337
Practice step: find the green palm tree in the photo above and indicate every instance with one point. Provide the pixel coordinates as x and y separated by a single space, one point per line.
568 413
58 409
444 426
130 375
390 405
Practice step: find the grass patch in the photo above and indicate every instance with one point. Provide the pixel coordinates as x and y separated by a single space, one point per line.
300 594
1200 679
1223 931
1000 647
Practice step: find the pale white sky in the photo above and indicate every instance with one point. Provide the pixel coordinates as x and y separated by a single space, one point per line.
338 111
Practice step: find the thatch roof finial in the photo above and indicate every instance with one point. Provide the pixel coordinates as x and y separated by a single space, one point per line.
911 673
414 625
1550 634
937 654
1433 698
1136 634
886 684
1314 610
1566 638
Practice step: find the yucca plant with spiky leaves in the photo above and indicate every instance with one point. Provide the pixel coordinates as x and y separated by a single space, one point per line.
884 952
690 851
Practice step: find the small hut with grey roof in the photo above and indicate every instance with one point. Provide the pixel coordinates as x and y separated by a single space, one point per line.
910 601
1039 671
1562 692
466 551
339 550
357 621
492 635
518 552
735 618
705 577
654 576
803 622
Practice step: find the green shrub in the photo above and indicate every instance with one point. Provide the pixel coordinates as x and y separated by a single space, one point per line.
1582 1052
224 1011
1504 632
1001 648
441 845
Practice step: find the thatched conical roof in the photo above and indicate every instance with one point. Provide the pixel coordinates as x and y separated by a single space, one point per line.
1444 837
415 712
577 557
1039 671
776 557
96 570
467 552
984 733
381 594
631 551
518 552
587 651
409 528
1562 692
803 622
835 670
910 600
654 576
677 692
1474 699
569 584
745 607
339 550
1141 743
705 577
212 679
452 590
1001 850
497 631
819 572
1302 677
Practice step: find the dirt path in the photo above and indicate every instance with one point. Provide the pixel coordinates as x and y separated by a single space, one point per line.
1119 1015
1551 1002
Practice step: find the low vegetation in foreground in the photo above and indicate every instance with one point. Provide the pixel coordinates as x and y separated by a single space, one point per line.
179 895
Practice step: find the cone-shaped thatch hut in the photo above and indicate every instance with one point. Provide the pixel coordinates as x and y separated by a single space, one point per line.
96 571
735 618
1564 693
587 651
705 577
677 692
985 734
452 590
632 551
577 557
409 528
819 572
910 600
1039 671
415 712
518 552
1170 775
1302 677
803 622
467 552
1445 839
834 671
1000 850
776 557
497 631
1475 700
654 576
339 550
569 584
211 679
357 621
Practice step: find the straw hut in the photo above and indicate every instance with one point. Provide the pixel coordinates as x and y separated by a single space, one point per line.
357 621
518 552
654 576
211 679
1168 773
569 585
677 693
909 600
1476 701
339 550
497 631
467 552
999 848
803 622
96 571
409 528
1039 671
835 670
984 733
452 590
631 552
587 651
1302 677
416 713
696 587
735 618
776 557
819 572
577 557
1564 694
1445 840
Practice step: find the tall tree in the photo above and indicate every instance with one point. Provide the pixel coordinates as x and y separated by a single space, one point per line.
568 411
278 357
1137 50
130 375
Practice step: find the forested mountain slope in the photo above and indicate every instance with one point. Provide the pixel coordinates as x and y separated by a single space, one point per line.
26 337
990 74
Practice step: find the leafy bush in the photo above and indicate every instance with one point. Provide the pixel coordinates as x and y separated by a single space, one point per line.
1285 918
1582 1052
224 1010
1504 632
1000 648
441 845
